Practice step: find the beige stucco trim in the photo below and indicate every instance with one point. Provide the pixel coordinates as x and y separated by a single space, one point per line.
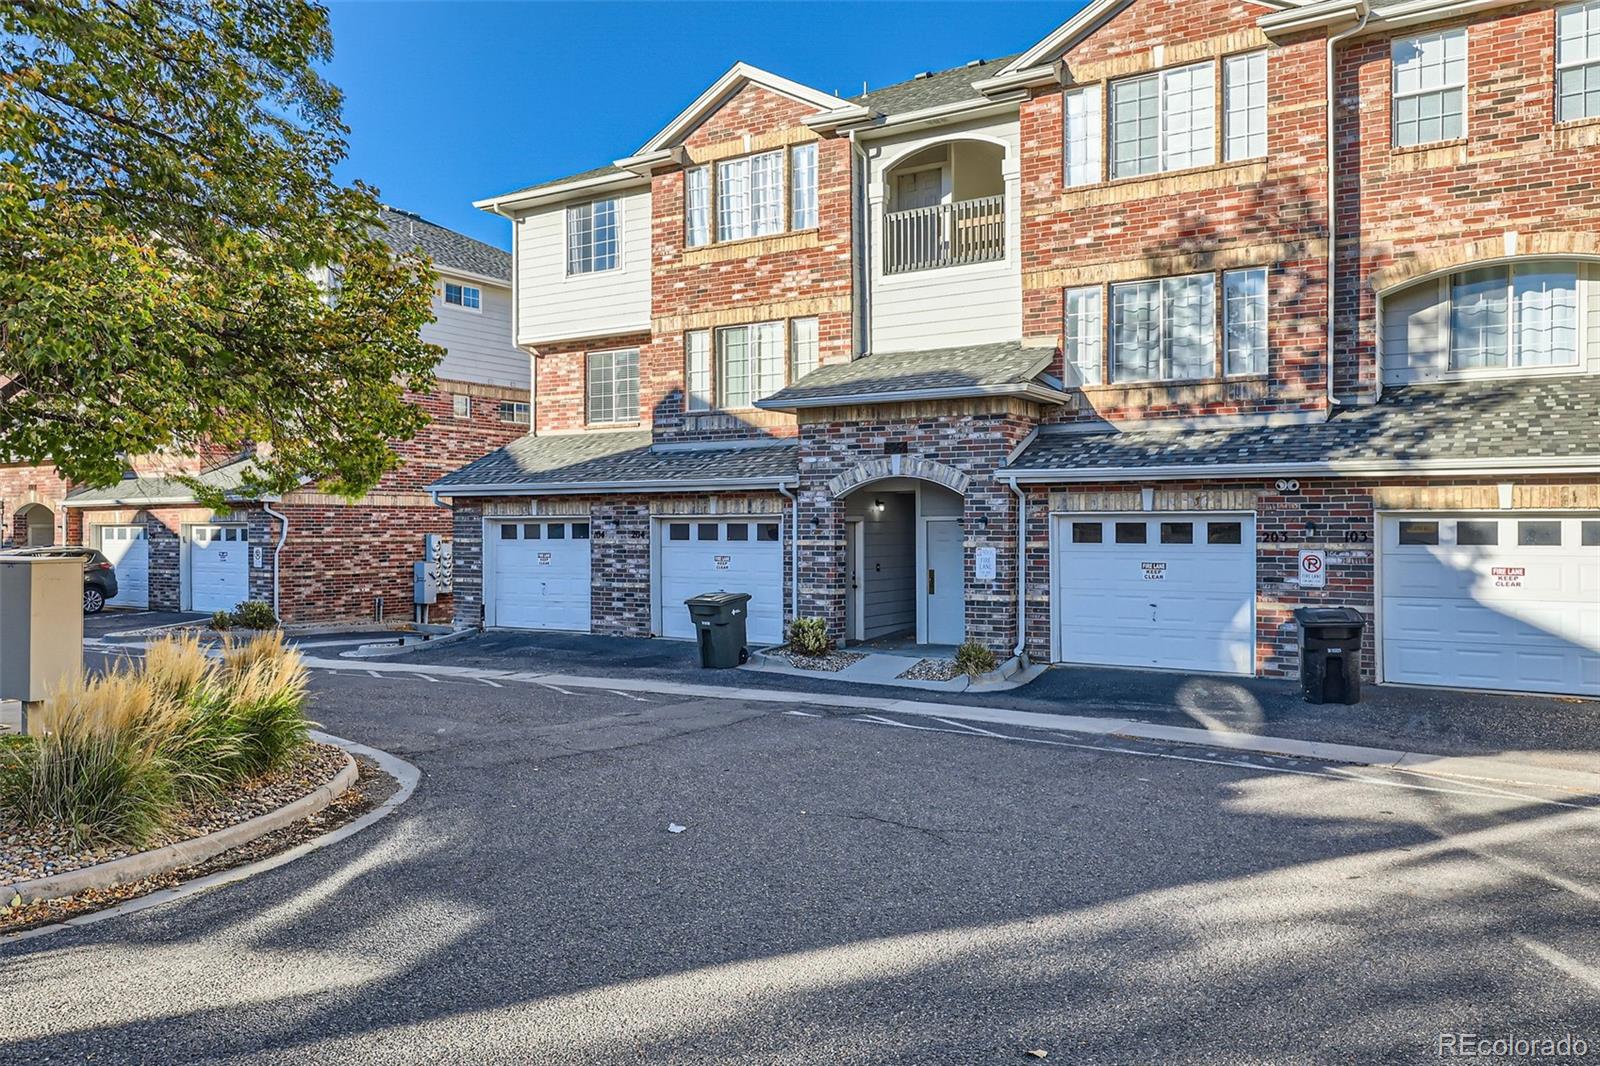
738 146
312 498
1174 55
1156 266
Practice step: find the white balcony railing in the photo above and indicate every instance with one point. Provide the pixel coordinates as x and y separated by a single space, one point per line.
926 238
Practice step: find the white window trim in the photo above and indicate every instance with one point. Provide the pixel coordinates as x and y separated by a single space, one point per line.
1395 95
1223 341
1098 141
1215 372
1570 64
786 354
566 237
638 389
461 306
710 235
1102 333
816 187
514 404
1266 117
460 405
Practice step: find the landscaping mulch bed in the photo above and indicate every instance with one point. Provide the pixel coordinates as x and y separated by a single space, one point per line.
371 788
932 670
40 852
831 662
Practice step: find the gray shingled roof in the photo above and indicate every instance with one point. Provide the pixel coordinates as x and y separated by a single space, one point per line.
149 491
1530 418
597 172
619 458
941 87
976 367
449 250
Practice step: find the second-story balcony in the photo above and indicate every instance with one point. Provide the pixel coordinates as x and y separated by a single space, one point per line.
944 235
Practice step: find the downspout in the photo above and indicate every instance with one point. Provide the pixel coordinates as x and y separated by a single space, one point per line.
1333 193
1022 568
277 552
794 553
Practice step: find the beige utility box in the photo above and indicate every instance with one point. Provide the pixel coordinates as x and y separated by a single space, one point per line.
41 624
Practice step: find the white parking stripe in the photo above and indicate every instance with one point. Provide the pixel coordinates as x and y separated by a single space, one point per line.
627 695
491 684
435 680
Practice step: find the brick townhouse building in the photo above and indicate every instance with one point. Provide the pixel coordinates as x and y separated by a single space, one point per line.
1114 351
316 556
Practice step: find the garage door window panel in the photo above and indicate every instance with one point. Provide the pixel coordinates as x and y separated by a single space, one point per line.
767 531
738 531
1177 532
580 531
1131 533
1591 534
1419 533
1224 532
678 531
555 531
1087 533
530 532
1477 533
1539 534
508 532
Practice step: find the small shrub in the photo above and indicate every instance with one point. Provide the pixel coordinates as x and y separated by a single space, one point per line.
265 683
974 659
809 636
254 614
222 620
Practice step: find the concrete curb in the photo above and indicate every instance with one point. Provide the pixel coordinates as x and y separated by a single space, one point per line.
1492 769
185 852
397 768
379 651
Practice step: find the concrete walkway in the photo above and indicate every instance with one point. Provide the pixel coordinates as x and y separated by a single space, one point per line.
1503 768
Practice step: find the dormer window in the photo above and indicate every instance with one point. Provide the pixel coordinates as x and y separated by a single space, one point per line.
592 237
466 297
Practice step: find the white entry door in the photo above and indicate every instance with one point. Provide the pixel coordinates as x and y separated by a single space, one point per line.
1171 591
1492 601
943 584
128 551
219 567
721 555
541 574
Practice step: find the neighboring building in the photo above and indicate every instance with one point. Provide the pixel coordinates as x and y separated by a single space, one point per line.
316 556
820 350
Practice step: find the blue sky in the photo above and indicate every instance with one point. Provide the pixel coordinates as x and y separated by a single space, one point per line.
452 102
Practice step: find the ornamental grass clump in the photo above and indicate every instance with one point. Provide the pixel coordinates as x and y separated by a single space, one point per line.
115 757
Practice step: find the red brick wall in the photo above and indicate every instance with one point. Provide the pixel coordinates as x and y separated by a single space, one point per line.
742 281
561 379
1243 214
24 485
1517 170
339 558
448 443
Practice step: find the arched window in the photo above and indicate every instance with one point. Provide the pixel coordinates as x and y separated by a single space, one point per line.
1507 317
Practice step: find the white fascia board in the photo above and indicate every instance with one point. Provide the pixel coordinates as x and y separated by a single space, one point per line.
1352 468
1326 13
828 121
736 78
1335 13
626 329
1030 391
644 163
567 190
1026 78
467 275
533 488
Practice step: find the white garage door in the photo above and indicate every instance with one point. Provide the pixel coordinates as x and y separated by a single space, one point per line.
541 574
1174 591
219 567
129 552
722 555
1492 602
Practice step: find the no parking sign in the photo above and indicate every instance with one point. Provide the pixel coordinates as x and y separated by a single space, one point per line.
1313 569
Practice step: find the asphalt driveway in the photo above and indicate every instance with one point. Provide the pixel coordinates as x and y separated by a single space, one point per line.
849 888
1555 731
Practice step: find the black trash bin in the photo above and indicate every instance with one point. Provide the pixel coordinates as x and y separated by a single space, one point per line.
719 625
1330 653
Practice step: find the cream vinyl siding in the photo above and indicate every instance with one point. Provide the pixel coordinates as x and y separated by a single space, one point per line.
477 343
944 308
1415 332
556 306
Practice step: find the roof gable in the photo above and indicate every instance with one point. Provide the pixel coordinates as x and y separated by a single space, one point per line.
724 89
1086 22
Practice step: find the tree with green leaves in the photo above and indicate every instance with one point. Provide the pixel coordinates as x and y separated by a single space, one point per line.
167 208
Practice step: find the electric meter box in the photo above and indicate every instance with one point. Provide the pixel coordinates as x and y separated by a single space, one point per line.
41 624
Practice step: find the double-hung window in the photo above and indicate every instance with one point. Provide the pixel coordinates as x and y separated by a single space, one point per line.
515 412
1244 321
1083 330
1081 136
1524 316
1244 95
467 297
696 207
1578 61
750 196
750 362
1163 121
697 374
1164 330
802 347
613 385
592 237
1430 87
803 186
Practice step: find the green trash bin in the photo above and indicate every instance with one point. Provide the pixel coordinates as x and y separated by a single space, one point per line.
719 625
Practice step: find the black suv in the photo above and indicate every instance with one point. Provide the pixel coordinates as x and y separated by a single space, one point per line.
99 576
